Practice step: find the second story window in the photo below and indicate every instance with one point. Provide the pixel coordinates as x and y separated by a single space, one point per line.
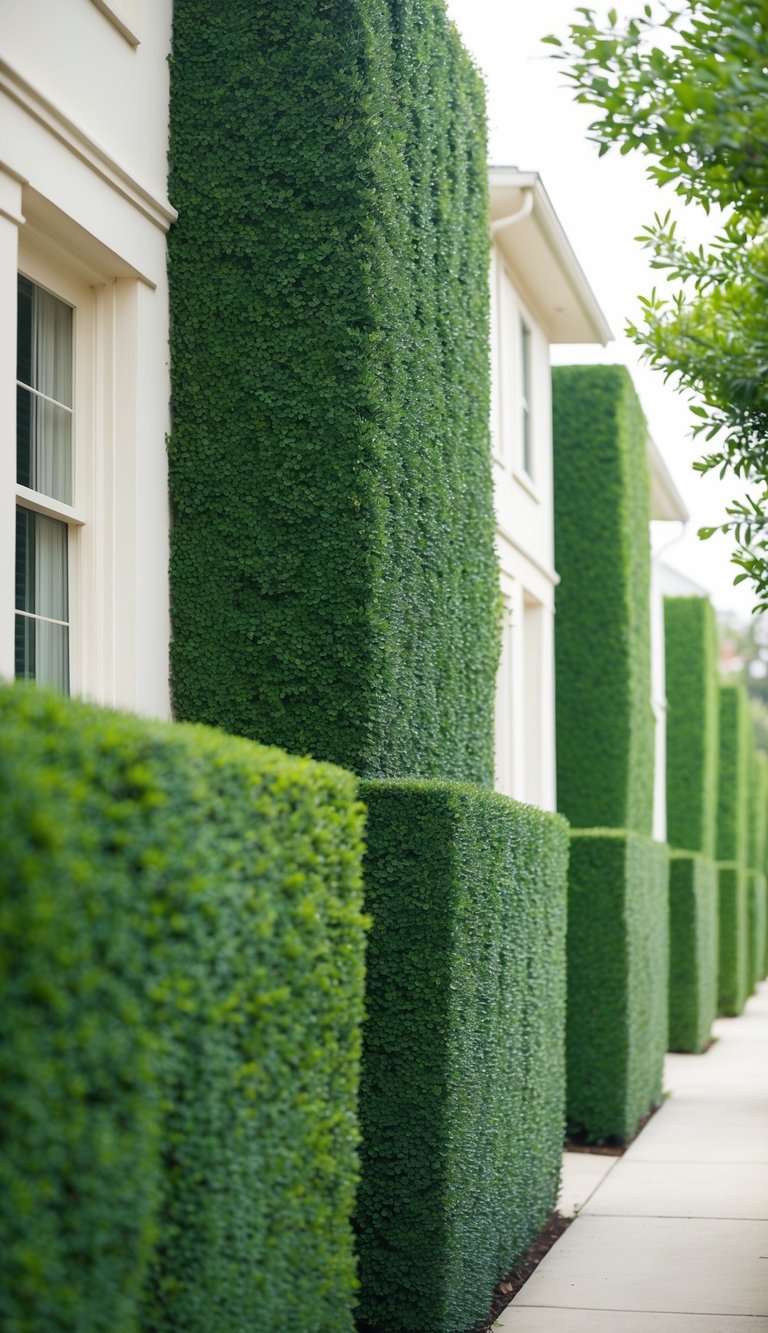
44 474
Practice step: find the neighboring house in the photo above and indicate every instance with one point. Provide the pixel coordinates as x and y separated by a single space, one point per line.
539 296
83 217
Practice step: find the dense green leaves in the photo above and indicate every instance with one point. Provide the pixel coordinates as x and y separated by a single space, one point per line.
733 847
617 980
617 907
692 738
333 576
687 87
735 751
604 719
462 1087
181 999
693 950
690 647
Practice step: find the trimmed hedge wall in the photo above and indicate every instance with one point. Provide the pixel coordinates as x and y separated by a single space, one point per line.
733 846
758 818
182 976
734 969
757 911
604 722
690 637
333 575
733 802
692 732
693 950
618 948
462 1088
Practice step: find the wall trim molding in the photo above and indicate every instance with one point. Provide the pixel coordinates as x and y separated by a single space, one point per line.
157 210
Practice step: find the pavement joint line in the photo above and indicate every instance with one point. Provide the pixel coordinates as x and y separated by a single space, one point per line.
623 1309
679 1217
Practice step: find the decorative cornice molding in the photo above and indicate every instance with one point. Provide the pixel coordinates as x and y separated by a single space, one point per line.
158 211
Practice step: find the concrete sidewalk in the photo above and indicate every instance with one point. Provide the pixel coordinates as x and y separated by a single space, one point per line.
673 1236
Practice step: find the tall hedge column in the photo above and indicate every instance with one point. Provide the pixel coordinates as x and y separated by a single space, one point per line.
732 848
690 636
756 880
617 909
333 573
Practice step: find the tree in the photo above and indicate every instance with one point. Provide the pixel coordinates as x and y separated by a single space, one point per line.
688 87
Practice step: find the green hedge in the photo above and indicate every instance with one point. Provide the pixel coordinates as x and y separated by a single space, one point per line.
182 972
733 846
617 980
756 884
734 969
333 575
692 738
693 950
463 1082
604 722
757 910
758 810
733 775
690 635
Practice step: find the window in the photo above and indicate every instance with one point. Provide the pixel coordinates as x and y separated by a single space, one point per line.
525 398
45 483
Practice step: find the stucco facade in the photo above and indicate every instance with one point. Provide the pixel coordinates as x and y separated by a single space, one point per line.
83 218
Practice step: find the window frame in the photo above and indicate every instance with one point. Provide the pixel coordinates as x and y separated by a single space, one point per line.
65 284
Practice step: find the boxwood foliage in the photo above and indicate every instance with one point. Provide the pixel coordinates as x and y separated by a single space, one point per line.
758 817
733 773
733 846
693 950
463 1081
333 576
181 999
734 968
618 948
757 908
690 635
605 769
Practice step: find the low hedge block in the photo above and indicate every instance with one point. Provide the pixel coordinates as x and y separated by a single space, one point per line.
757 910
462 1089
693 951
618 945
180 1003
734 939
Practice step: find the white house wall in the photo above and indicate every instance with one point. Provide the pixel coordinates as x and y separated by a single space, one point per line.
84 214
525 704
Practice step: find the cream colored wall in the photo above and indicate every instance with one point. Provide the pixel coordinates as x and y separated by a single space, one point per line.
84 212
525 702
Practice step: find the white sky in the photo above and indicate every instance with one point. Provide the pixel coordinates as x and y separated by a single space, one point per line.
602 203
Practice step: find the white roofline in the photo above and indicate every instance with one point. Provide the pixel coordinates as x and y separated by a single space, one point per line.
557 242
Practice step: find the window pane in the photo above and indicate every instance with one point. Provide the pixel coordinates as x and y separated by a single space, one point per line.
41 565
44 356
42 652
44 368
43 446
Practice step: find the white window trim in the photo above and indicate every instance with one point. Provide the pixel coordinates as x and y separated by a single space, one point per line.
50 275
